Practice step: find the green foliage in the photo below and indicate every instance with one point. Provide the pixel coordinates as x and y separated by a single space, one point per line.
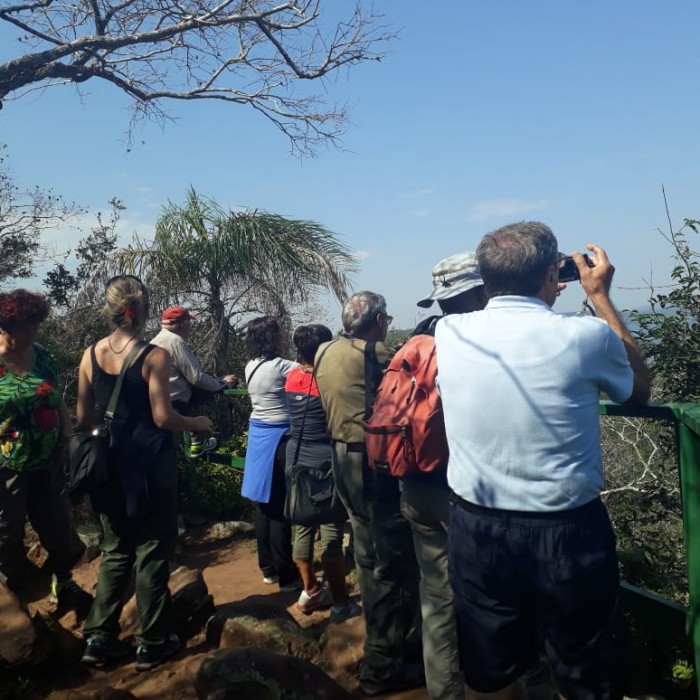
62 285
643 493
396 337
78 322
232 264
214 489
669 333
683 673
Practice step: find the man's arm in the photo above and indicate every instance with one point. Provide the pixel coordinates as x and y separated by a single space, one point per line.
188 366
596 280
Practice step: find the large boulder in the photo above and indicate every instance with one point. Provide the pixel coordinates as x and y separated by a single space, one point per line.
247 674
263 626
261 611
21 641
192 605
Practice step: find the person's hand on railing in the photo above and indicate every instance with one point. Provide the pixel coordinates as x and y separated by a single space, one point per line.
231 381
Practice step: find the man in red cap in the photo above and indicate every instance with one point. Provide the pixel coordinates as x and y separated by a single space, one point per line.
190 385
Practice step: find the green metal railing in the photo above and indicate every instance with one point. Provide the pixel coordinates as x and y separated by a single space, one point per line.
686 421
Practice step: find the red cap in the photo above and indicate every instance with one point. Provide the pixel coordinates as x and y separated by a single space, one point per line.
174 315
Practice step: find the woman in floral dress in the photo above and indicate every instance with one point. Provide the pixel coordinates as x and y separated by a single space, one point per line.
33 426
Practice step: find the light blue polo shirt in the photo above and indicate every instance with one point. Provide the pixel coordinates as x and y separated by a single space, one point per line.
520 387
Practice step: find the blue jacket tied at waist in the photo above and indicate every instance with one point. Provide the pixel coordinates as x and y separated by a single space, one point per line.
263 439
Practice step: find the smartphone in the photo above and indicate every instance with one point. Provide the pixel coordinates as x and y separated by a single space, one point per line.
568 272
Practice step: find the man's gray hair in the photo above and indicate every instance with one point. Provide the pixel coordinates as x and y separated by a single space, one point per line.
513 259
360 312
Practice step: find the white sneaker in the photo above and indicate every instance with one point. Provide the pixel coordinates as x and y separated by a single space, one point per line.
323 598
269 580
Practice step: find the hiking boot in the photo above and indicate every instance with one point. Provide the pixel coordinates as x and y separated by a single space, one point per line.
149 656
307 603
200 447
101 649
340 613
413 676
68 595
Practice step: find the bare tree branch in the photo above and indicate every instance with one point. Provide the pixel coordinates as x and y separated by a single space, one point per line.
258 53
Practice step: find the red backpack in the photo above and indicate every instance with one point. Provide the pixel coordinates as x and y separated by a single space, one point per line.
406 432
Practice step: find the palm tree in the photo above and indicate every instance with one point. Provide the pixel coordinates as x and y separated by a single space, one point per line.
240 262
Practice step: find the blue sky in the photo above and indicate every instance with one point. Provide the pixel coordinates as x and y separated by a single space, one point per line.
480 114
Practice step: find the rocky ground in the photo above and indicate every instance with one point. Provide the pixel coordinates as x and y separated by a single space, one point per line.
247 613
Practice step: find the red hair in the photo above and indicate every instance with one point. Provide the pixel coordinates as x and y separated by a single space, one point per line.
20 305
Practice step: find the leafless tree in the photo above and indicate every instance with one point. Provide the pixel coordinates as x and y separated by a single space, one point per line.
25 214
259 53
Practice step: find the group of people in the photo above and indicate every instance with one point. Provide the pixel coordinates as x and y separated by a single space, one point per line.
506 552
465 573
138 500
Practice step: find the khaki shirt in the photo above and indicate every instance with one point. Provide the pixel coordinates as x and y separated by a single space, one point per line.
340 376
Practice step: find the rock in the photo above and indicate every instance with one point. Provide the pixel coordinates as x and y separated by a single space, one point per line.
61 635
240 674
192 606
247 609
283 636
20 639
230 528
37 555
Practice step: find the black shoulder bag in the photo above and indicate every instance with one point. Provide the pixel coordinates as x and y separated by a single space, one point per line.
312 498
88 450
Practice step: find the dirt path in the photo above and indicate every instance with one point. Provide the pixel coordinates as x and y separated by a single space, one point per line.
230 570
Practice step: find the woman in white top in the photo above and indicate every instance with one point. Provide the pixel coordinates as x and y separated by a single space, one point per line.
263 479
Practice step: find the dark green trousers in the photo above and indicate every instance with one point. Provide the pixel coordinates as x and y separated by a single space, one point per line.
141 546
387 569
37 495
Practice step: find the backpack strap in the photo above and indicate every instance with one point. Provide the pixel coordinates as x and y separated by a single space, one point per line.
306 408
303 419
113 400
373 375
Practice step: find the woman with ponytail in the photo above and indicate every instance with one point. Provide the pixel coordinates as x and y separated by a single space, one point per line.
138 503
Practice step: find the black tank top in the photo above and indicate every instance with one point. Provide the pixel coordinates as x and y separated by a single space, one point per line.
133 413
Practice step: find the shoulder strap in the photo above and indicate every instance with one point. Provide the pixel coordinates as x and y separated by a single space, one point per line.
303 420
111 407
255 369
372 375
306 408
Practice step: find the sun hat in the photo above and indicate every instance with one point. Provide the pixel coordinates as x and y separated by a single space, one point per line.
174 315
452 276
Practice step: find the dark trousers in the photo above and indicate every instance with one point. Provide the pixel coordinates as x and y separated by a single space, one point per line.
38 495
142 545
272 530
385 560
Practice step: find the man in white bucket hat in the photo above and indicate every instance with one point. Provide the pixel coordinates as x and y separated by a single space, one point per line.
458 289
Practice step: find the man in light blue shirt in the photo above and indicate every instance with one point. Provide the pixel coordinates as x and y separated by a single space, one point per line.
531 546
